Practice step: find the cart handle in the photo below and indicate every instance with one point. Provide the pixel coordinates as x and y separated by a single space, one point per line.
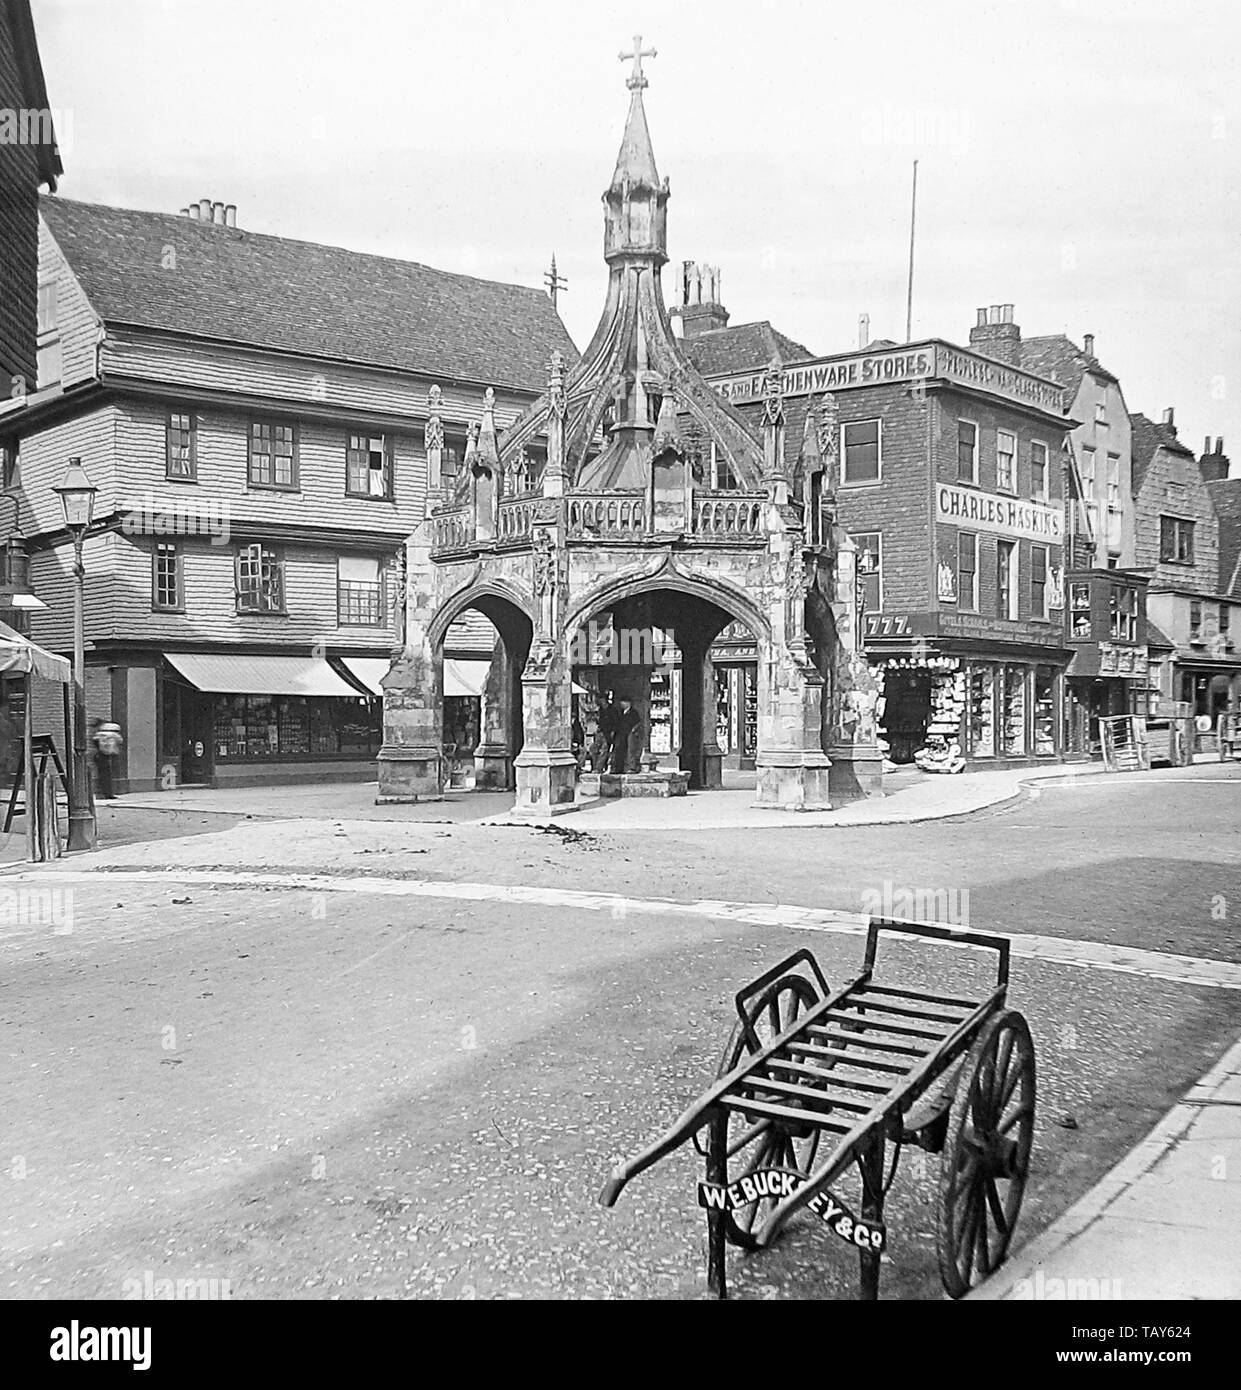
755 986
940 932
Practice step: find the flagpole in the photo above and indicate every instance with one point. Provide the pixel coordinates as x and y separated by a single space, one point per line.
909 298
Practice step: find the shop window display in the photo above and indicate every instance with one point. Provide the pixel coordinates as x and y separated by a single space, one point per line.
1044 713
249 727
982 711
1014 720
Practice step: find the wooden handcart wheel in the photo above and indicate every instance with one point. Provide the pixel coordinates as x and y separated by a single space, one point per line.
986 1155
753 1145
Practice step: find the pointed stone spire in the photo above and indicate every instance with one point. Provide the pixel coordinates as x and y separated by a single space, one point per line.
667 438
635 164
486 448
636 220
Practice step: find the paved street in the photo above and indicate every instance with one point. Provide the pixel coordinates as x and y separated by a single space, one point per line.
313 1085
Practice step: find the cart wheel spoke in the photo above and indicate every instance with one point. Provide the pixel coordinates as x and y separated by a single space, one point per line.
997 1208
1025 1112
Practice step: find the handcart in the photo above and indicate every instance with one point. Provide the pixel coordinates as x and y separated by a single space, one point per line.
814 1080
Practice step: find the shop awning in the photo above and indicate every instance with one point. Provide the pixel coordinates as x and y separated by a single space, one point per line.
465 677
261 675
20 656
369 670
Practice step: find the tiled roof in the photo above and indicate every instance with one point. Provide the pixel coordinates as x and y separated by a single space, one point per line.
1148 438
746 347
1155 637
267 291
1226 498
1060 359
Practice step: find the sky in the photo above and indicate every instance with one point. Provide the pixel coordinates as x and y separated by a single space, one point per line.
1076 158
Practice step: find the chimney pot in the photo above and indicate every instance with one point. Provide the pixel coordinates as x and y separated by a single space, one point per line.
230 215
982 319
863 330
217 213
204 209
1206 448
1088 342
1169 417
1006 313
193 212
185 212
1219 444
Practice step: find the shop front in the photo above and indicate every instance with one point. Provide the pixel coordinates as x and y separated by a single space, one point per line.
734 655
231 719
1110 672
950 702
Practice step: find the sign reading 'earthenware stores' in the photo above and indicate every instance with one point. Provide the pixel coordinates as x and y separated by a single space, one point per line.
1004 516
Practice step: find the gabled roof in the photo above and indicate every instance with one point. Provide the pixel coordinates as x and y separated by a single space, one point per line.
1226 499
297 296
746 347
1148 439
1060 358
34 88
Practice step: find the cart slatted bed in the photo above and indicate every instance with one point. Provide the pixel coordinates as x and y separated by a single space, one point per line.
839 1076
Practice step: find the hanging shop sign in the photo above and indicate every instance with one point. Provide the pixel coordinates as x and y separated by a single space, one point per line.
920 362
1123 661
1002 516
949 623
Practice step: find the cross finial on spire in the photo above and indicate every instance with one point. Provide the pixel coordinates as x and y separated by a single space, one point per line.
637 80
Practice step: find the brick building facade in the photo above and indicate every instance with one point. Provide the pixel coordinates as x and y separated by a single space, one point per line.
950 485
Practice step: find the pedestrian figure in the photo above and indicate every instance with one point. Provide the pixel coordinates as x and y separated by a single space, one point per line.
107 742
624 754
601 756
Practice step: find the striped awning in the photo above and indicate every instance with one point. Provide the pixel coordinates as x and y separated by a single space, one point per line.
21 656
231 674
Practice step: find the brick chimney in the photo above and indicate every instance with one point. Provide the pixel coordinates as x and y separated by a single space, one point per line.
700 309
1169 421
1213 464
996 335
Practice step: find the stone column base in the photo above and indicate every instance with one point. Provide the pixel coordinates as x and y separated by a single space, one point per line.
408 775
546 782
857 772
793 781
712 767
493 767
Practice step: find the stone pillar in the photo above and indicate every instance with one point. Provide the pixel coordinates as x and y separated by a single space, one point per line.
410 762
493 758
546 768
851 734
411 759
792 768
701 754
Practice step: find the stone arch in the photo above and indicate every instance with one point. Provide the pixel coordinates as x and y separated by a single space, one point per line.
721 593
501 724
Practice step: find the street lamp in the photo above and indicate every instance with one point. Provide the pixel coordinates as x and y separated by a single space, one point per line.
77 497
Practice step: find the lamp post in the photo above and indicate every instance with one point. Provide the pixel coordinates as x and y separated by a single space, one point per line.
77 497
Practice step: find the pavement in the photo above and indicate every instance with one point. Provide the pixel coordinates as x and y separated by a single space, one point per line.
1165 1223
907 800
